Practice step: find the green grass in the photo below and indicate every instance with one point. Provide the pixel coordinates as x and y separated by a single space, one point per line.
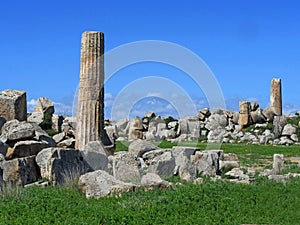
221 202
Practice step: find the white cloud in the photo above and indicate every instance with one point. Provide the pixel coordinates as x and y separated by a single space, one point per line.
62 109
31 104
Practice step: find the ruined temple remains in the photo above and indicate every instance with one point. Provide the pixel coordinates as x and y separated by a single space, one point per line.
244 119
90 111
276 96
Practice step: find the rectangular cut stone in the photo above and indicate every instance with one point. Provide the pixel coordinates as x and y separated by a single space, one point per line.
13 105
276 96
244 118
90 110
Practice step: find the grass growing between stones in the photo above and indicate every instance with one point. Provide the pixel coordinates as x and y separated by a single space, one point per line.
265 202
250 155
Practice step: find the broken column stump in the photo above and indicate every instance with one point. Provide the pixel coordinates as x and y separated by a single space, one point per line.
244 119
276 96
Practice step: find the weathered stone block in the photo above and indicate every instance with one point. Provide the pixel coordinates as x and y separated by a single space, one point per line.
44 106
13 105
26 148
58 165
21 171
125 168
100 184
278 163
15 130
207 162
139 147
163 165
244 119
135 129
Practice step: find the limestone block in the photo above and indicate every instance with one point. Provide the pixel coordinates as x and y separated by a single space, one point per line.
44 106
244 119
207 162
21 171
100 184
15 130
26 148
278 163
125 168
139 147
13 105
59 165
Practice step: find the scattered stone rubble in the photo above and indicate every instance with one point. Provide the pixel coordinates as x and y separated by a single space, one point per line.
219 126
29 154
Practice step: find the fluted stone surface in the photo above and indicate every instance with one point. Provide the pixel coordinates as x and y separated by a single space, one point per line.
244 118
90 111
276 96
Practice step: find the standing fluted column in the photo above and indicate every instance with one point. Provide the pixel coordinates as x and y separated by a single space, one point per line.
276 96
90 111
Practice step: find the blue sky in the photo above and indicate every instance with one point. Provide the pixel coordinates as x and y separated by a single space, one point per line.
244 42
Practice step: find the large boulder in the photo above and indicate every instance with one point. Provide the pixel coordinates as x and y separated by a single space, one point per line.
269 113
163 164
139 147
15 131
36 117
216 120
189 126
288 130
26 148
125 167
59 165
44 106
68 143
257 116
41 135
135 129
100 184
207 162
216 135
13 105
184 167
279 122
59 137
204 113
95 156
152 180
95 146
21 171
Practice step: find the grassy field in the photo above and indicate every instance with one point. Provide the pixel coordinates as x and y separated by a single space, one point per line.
221 202
265 202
